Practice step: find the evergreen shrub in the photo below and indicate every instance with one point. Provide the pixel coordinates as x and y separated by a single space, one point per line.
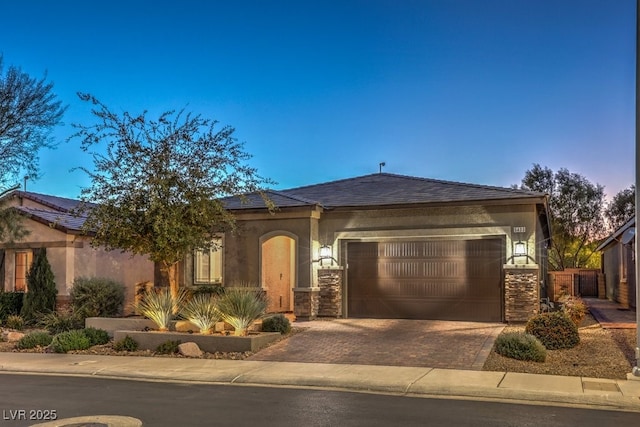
555 330
70 340
520 346
276 323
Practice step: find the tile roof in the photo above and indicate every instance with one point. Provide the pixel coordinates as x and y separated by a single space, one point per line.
56 212
60 220
381 189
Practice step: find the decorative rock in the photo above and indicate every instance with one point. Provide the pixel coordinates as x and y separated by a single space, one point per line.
12 336
190 349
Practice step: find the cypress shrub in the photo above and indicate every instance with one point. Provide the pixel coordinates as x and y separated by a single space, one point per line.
40 297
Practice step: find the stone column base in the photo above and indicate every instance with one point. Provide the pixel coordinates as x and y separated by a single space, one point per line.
306 303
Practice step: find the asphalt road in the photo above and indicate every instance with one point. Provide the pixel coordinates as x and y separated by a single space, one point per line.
168 404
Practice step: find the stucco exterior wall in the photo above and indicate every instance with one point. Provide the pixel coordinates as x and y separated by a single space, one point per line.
71 256
242 257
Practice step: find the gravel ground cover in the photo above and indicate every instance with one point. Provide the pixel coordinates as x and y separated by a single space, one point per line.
601 353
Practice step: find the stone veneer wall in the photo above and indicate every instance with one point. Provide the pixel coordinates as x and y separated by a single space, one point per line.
330 283
521 293
306 302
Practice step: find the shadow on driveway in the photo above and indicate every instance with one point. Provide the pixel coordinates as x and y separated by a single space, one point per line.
390 342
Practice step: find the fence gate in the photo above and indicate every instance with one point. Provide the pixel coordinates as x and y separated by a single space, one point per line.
574 282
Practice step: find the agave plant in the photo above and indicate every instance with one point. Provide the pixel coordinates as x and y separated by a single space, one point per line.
160 306
202 311
241 306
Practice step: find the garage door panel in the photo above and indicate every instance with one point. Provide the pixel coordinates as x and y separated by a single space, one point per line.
426 279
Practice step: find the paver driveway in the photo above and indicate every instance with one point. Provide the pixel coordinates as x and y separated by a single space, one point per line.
391 342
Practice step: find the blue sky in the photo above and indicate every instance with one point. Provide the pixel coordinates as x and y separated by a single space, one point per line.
462 90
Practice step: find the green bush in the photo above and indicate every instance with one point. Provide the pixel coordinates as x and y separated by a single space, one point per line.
96 336
277 323
168 347
60 321
96 297
555 330
126 344
40 297
15 321
70 340
10 303
517 345
34 339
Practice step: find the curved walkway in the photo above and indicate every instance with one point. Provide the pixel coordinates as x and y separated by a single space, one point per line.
390 342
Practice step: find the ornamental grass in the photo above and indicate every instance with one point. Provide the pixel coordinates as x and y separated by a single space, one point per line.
202 311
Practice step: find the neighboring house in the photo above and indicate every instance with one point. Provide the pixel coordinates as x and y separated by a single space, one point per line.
618 264
52 225
387 246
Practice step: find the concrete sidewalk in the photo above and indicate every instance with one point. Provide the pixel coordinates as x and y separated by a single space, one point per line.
410 381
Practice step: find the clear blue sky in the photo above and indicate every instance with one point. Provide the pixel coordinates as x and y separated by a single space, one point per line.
463 90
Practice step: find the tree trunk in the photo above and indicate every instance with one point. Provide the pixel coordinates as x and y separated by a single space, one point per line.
168 271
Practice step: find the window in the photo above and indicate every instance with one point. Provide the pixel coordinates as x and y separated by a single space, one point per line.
207 268
23 264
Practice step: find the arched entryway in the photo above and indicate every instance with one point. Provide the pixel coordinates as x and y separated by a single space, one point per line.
278 271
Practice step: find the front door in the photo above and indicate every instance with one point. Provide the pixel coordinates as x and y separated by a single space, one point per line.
278 273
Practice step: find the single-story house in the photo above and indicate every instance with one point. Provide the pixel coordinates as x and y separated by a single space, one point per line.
52 226
387 246
618 264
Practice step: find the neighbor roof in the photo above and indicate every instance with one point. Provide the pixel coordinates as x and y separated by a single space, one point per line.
617 235
381 189
58 211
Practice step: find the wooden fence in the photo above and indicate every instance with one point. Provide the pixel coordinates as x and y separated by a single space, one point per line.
575 282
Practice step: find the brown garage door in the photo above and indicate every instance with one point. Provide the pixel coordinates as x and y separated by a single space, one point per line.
439 279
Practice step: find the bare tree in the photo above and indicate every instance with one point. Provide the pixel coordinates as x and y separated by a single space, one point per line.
29 110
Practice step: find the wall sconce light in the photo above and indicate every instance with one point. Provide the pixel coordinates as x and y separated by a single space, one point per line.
520 249
325 253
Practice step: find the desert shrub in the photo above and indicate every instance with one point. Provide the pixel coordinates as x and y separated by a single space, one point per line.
521 346
34 339
10 303
60 321
168 347
96 336
14 321
277 323
160 306
40 297
202 311
70 340
555 330
96 297
126 344
241 306
575 308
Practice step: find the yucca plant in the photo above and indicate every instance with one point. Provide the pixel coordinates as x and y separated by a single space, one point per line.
160 306
202 311
241 306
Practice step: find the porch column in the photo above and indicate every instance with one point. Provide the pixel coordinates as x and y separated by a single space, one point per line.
330 283
521 292
306 302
